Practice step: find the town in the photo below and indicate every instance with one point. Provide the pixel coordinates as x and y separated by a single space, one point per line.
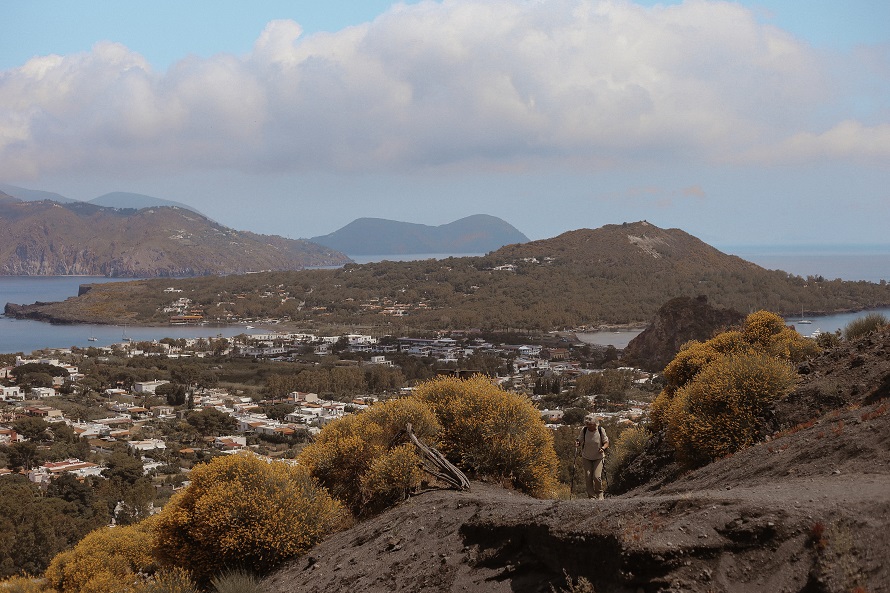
164 403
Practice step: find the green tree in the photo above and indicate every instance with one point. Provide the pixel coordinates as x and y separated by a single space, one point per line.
279 385
124 467
35 380
21 455
279 411
34 527
211 422
574 416
33 428
85 503
41 368
174 393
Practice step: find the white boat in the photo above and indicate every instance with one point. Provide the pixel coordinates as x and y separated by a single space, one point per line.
92 339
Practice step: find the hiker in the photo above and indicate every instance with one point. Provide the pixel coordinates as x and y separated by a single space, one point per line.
593 443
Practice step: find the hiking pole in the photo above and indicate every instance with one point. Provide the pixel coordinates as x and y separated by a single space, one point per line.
605 479
572 480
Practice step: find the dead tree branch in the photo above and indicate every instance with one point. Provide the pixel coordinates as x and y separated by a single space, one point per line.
435 464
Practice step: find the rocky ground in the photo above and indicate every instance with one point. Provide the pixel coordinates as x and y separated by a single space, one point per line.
806 511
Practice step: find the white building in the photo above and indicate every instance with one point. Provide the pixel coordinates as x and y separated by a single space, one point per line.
147 445
148 386
11 394
42 392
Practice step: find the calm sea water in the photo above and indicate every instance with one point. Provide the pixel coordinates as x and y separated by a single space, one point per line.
367 259
866 263
822 323
854 262
26 336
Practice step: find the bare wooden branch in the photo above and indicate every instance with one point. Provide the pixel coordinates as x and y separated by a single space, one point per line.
441 468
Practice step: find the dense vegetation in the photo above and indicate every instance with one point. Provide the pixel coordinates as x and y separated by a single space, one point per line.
616 274
719 393
241 511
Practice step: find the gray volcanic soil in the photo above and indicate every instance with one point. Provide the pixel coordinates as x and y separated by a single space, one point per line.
806 511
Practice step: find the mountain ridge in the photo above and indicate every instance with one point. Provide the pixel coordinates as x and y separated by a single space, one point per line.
116 199
123 199
479 233
78 238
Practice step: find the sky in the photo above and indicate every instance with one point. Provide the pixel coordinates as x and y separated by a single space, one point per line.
743 123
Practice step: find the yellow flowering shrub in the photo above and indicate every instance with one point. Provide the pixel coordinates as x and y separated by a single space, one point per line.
692 358
722 410
629 444
19 584
768 333
107 560
717 393
389 477
491 432
351 455
243 511
170 580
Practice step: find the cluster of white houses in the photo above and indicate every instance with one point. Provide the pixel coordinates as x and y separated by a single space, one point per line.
310 413
524 357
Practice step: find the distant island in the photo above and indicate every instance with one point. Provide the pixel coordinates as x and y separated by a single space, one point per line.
480 233
44 237
115 199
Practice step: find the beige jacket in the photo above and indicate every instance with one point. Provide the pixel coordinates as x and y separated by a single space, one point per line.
592 441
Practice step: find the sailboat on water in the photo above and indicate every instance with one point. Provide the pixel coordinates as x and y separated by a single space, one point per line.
802 320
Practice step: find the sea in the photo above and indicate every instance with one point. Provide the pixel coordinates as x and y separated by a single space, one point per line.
869 263
26 336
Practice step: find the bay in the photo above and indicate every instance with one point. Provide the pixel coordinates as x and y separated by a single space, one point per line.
24 335
818 323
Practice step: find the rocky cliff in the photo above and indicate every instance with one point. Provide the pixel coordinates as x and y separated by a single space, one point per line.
678 321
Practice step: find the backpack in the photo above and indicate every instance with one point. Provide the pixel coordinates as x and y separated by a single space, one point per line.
599 428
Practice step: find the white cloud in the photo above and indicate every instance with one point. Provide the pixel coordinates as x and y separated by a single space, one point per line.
849 140
498 83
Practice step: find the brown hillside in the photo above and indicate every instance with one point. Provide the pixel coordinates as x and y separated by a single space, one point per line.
646 248
619 274
808 511
48 238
